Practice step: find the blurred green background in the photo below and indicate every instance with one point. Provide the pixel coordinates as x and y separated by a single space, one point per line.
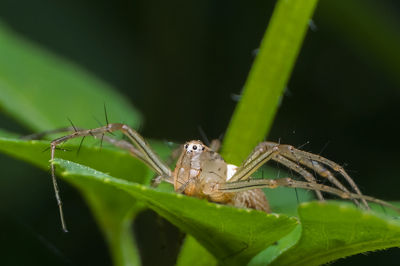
183 64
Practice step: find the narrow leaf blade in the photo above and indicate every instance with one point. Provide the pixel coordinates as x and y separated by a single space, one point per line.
268 78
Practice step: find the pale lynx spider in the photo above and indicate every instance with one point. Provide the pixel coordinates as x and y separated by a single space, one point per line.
201 172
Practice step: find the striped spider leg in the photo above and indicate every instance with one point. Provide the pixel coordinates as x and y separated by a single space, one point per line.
139 149
296 160
201 172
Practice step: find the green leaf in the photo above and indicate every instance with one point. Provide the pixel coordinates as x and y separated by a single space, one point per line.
113 211
271 253
336 230
268 78
232 235
41 90
193 254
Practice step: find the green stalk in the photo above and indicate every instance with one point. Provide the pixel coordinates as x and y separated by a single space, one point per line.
268 78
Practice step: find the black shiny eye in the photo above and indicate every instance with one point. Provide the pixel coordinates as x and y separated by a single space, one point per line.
194 147
203 149
186 146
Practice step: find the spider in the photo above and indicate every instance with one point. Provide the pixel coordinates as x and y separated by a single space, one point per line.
201 172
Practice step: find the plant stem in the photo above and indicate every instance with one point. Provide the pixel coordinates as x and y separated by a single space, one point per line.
268 78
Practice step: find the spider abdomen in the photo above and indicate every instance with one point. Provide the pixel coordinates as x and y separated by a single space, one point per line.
253 199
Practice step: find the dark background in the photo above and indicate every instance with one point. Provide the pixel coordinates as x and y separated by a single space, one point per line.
180 62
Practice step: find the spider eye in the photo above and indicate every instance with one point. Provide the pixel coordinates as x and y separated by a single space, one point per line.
186 146
194 147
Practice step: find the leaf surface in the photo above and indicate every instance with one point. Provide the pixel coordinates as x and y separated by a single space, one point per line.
232 235
336 230
42 90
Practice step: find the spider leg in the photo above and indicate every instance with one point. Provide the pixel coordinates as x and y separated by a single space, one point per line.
123 144
300 170
314 161
271 150
264 152
174 155
158 179
325 173
184 185
288 182
292 158
215 145
143 152
260 155
309 177
40 135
